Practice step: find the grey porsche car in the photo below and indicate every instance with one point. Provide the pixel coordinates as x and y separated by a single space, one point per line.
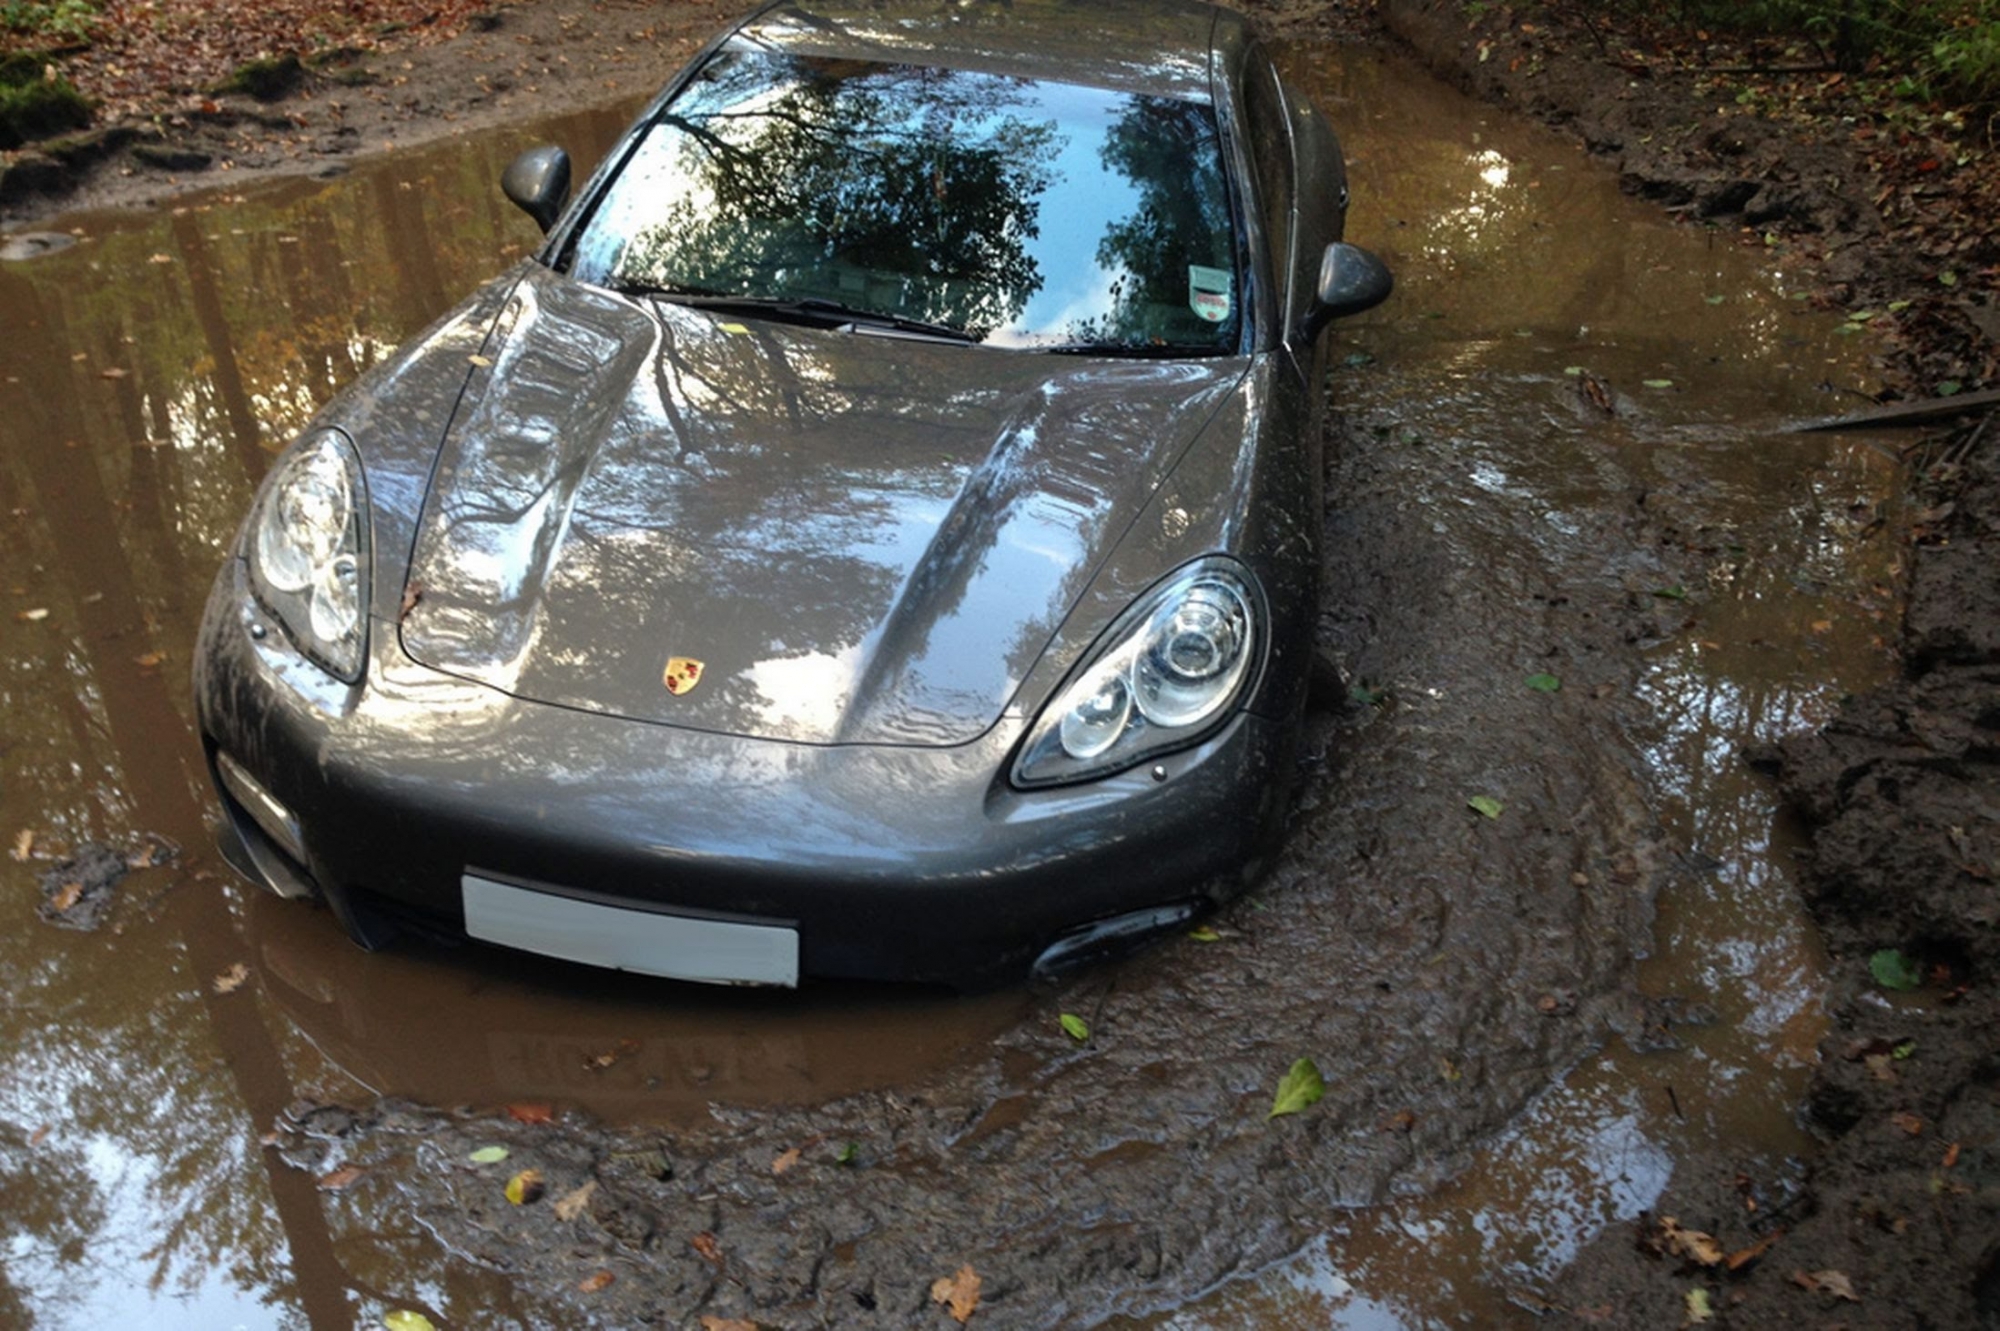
876 535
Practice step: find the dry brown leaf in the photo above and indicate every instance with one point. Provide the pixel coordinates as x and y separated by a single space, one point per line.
591 1284
39 1135
1835 1283
65 897
150 660
573 1204
1690 1243
24 843
959 1293
1908 1122
232 979
1400 1121
785 1161
531 1111
161 258
708 1249
1742 1257
113 372
1951 1155
710 1322
340 1178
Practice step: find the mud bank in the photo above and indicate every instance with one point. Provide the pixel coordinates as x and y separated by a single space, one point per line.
1891 1222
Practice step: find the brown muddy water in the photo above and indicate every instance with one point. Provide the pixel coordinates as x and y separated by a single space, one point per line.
1697 579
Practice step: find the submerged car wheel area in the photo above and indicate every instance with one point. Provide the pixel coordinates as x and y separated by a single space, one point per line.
876 535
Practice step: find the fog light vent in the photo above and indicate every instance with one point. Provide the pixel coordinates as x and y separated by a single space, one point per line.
263 807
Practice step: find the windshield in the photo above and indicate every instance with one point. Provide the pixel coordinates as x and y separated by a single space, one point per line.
1016 212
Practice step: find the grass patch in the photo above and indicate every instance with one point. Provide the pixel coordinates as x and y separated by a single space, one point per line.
267 79
57 22
39 107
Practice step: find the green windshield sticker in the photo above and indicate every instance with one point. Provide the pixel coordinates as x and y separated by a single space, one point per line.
1209 292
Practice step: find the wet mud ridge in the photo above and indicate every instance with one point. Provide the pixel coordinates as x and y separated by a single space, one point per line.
1441 967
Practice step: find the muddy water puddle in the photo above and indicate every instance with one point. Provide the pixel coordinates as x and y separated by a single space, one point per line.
149 371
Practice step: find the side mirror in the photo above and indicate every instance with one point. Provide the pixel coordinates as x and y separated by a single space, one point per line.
1350 280
538 181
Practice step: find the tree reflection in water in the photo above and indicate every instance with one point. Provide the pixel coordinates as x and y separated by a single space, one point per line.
1017 211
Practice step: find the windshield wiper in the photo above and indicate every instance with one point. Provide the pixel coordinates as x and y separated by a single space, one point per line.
805 309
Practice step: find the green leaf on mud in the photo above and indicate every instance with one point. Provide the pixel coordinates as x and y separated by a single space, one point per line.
1699 1309
1075 1027
1301 1088
1675 593
1573 371
1893 970
488 1155
1947 278
1204 934
1658 383
1898 306
1545 683
1903 1050
1363 696
1949 388
847 1154
1715 300
1485 805
404 1320
1358 359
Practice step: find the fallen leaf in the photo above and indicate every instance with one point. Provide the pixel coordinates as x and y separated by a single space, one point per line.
785 1161
24 843
531 1111
404 1320
959 1293
710 1322
1301 1087
340 1178
1485 806
1658 383
413 592
231 980
573 1204
1400 1121
591 1284
161 258
40 1135
1893 970
525 1187
66 896
1699 1309
150 660
481 361
623 1049
1950 1154
1835 1283
1742 1257
1204 934
1908 1122
1544 683
1692 1244
1075 1027
35 616
707 1249
488 1155
849 1152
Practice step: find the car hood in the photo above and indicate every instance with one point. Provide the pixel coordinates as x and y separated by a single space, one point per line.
861 539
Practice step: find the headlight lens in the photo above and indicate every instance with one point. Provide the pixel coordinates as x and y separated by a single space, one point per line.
309 554
1165 674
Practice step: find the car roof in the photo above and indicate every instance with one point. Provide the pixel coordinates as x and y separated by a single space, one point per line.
1154 46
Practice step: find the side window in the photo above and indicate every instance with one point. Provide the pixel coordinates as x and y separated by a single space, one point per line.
1270 135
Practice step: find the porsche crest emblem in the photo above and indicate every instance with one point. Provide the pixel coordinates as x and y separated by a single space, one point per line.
683 673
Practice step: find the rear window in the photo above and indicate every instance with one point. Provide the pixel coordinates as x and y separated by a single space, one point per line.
1021 213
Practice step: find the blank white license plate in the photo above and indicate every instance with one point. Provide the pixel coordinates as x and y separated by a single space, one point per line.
680 947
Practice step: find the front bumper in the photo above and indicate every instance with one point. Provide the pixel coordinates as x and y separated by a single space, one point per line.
890 862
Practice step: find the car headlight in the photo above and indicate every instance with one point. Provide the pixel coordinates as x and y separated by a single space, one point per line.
1163 677
309 552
